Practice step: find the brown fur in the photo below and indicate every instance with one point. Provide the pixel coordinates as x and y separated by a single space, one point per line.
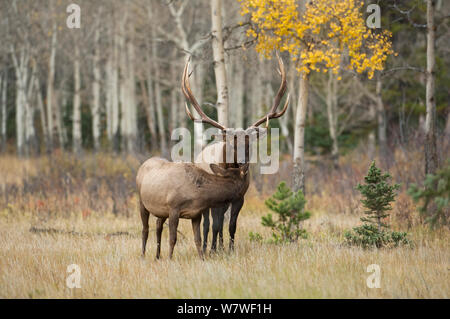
183 190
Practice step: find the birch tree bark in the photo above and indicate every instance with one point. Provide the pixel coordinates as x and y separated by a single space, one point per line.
131 103
21 69
219 62
51 123
76 116
158 99
30 132
298 182
381 119
236 80
95 107
331 101
174 109
112 94
149 97
128 121
431 159
41 108
197 78
3 88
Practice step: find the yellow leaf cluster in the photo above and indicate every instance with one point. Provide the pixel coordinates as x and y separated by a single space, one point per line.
319 36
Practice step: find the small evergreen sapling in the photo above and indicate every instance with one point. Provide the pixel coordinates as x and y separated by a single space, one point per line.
289 208
435 197
378 195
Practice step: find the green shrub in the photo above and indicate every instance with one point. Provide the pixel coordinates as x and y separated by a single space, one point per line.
289 208
435 197
378 195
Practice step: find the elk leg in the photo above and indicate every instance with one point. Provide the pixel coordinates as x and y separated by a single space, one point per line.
205 214
159 229
174 217
217 216
221 218
144 216
197 236
235 209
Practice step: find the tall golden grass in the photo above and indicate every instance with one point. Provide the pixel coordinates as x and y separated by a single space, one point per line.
59 211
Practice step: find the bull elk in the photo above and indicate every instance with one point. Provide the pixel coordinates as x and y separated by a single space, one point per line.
172 191
216 153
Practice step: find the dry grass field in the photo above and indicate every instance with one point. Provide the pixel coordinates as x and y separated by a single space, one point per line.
44 228
34 265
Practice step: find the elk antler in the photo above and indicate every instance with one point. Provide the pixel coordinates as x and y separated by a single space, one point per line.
186 88
272 113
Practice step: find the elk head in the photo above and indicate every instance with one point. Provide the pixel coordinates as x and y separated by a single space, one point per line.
237 138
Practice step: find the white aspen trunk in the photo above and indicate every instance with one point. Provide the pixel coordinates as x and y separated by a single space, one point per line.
123 90
60 129
447 125
30 132
115 111
76 128
150 109
197 79
298 182
431 159
20 66
219 62
41 108
256 100
158 99
174 109
381 119
131 103
3 87
197 89
51 125
236 93
371 138
95 108
331 101
108 97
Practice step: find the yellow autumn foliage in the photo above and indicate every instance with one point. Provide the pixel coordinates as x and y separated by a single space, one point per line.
320 37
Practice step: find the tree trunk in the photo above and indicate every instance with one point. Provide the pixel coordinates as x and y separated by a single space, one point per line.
331 100
174 109
158 100
51 123
21 69
95 108
41 108
76 128
150 109
112 95
381 119
219 62
298 182
237 93
431 159
131 103
30 132
197 89
3 88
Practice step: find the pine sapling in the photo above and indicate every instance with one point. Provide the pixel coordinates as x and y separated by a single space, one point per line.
289 208
378 194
